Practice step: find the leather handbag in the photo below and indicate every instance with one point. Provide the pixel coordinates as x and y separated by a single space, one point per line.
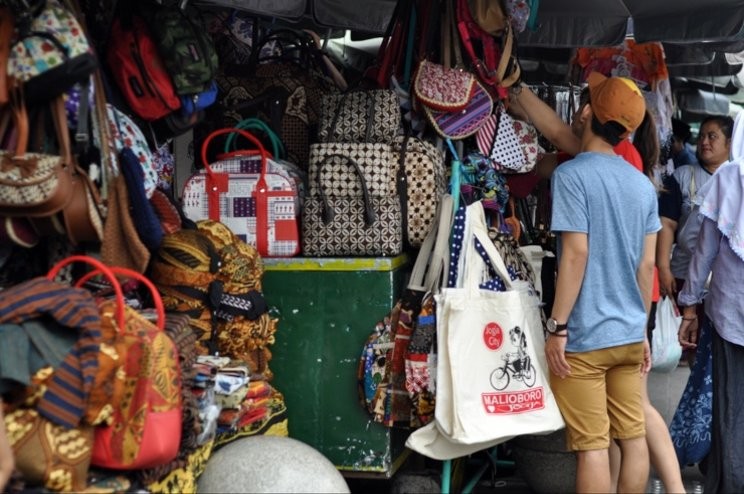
248 194
359 116
420 179
336 224
34 184
377 163
51 53
490 15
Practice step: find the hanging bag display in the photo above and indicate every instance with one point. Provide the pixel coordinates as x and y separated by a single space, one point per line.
349 217
257 204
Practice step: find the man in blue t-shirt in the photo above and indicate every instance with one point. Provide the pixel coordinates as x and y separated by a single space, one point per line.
606 216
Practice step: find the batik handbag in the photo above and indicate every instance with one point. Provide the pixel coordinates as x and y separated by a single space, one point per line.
421 183
359 116
346 225
242 192
51 53
330 172
466 122
145 430
48 454
511 144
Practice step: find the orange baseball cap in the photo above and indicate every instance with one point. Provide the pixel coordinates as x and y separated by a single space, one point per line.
616 99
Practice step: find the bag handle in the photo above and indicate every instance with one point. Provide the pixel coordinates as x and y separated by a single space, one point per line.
434 251
101 268
369 213
232 130
256 124
156 298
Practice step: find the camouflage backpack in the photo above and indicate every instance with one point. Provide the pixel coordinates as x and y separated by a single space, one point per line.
184 45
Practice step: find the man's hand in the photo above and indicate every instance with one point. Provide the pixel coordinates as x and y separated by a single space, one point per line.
646 364
688 333
667 284
555 353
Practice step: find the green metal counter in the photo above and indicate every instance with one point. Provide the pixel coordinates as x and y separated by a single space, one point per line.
327 307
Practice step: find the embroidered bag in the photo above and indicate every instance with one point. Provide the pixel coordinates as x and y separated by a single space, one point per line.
345 218
466 122
244 193
443 88
51 53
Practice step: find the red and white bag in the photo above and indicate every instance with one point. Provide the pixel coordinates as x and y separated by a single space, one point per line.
249 194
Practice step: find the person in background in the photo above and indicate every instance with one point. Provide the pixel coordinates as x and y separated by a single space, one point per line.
714 146
643 154
681 152
720 250
596 347
7 464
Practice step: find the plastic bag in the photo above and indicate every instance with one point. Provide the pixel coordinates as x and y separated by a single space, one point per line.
666 350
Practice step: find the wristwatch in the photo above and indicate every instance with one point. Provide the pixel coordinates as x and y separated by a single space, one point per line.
554 328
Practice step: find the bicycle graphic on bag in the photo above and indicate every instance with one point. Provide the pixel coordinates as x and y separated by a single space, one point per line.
517 365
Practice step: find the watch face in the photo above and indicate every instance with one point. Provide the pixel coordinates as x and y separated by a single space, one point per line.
552 323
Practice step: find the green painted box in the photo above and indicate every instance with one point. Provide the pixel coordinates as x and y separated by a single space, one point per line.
327 307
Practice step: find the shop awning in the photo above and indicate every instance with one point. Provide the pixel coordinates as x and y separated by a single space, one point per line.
567 23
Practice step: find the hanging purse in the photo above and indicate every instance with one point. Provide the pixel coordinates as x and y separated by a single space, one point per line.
465 121
51 52
352 222
511 144
34 184
443 87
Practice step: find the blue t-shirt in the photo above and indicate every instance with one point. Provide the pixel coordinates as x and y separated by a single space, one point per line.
616 206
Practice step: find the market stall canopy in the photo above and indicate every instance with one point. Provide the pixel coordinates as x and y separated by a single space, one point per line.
566 23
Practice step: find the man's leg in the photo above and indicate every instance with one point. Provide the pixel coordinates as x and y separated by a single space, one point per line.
593 471
627 420
633 466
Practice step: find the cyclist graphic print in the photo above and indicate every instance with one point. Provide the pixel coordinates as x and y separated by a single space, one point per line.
516 365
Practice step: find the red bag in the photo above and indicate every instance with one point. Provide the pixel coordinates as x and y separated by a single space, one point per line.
139 71
146 427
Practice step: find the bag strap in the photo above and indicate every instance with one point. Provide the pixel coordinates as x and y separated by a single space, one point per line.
477 222
369 212
433 254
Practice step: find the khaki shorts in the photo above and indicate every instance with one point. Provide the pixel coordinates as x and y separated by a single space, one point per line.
601 398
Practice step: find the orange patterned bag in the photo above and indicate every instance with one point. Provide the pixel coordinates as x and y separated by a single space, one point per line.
146 428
